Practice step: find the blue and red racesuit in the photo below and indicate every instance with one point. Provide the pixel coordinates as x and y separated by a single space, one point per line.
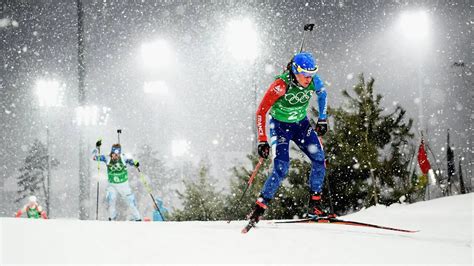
288 103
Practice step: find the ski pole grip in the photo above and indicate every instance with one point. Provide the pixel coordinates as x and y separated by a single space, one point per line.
308 27
98 143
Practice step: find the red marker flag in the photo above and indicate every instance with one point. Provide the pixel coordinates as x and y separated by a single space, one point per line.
423 159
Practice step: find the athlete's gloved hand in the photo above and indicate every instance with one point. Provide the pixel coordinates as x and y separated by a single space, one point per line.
321 127
263 149
136 163
98 143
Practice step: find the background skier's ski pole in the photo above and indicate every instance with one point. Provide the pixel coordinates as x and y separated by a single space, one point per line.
148 188
119 131
98 144
249 183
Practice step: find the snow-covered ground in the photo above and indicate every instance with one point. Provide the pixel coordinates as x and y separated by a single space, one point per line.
445 237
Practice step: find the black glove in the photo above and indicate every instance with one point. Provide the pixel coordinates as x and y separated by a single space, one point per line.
321 127
98 143
136 163
263 149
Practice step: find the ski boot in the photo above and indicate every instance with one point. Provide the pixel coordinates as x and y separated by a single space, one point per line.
315 208
256 214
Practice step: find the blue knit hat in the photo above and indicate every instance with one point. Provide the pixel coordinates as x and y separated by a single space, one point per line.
116 148
304 63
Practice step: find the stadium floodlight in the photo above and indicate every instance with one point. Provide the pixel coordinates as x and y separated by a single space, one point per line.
242 39
414 26
179 147
49 92
157 55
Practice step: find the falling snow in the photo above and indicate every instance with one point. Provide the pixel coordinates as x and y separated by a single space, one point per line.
188 74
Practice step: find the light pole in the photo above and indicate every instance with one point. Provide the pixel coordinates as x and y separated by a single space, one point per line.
81 69
49 94
414 30
242 44
414 33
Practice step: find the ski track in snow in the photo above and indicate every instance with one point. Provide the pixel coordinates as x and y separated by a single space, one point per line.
441 240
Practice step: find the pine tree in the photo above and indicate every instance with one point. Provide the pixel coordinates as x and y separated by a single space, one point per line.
32 178
201 200
358 171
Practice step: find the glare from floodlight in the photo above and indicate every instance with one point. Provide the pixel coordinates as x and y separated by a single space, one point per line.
414 26
156 55
91 115
242 39
179 147
87 115
104 116
50 93
156 87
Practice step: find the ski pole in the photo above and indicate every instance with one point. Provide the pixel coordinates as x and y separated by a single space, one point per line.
327 179
148 188
119 131
307 27
99 142
249 183
97 203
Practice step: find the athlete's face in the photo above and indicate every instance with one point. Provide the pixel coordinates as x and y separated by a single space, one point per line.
115 156
303 80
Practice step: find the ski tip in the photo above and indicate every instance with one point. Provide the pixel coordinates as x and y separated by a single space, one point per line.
246 228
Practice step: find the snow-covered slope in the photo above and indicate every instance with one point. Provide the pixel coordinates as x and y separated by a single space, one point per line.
445 237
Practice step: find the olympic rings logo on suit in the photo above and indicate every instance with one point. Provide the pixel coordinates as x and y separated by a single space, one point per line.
299 97
116 167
